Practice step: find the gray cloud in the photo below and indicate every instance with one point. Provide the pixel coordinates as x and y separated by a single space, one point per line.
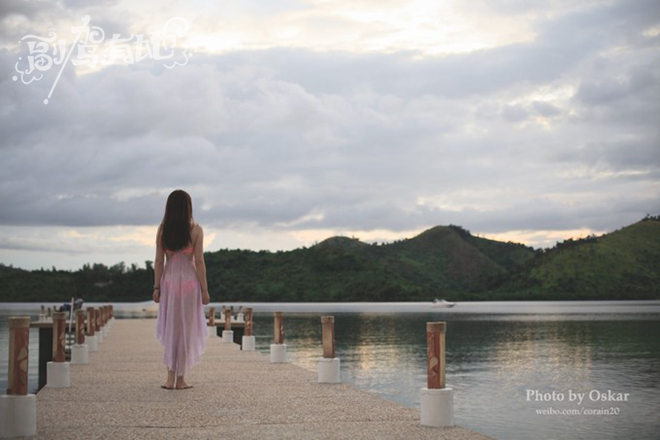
286 139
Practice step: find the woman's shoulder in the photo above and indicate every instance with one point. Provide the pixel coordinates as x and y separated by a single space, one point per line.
196 228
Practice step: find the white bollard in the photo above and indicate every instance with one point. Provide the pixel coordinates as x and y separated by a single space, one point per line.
213 331
277 353
104 331
18 415
437 407
80 354
92 343
99 337
240 317
58 375
42 317
328 370
248 343
227 336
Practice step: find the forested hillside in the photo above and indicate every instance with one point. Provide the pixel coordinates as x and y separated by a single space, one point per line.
444 262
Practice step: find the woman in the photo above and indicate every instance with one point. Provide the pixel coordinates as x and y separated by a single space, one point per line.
180 289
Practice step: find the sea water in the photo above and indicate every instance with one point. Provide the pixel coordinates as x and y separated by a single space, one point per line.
520 370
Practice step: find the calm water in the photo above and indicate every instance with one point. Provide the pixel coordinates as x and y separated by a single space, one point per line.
493 359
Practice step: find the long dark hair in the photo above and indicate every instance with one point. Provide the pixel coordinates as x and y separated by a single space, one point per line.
177 221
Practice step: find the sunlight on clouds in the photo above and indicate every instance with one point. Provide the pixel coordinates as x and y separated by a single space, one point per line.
309 237
426 27
541 239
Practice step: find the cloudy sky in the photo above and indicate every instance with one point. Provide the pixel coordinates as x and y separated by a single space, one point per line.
530 121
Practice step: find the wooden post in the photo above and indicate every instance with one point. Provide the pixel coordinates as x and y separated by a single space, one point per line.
248 321
91 319
43 310
435 357
59 343
212 317
328 326
80 326
227 319
19 338
97 320
112 311
49 312
279 328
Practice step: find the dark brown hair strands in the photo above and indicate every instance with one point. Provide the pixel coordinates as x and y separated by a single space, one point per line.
177 221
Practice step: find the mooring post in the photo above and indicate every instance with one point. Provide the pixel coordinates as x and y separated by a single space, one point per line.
227 333
18 409
97 326
42 314
57 371
106 320
213 331
80 350
248 340
328 365
437 401
240 316
91 339
278 349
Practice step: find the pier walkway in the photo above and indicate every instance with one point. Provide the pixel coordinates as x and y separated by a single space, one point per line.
236 395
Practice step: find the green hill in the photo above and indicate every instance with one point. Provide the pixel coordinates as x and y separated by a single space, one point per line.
624 264
444 261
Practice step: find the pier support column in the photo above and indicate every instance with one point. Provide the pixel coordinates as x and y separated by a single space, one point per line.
329 370
97 326
104 321
248 340
57 371
437 401
329 365
80 354
213 331
248 343
227 336
80 351
92 344
277 353
437 407
278 349
227 333
18 409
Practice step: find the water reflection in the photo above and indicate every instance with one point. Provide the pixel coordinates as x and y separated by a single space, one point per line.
491 363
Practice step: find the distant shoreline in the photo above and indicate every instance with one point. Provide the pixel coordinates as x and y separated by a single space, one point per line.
596 307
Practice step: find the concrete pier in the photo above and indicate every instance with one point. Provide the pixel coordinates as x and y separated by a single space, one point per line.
236 395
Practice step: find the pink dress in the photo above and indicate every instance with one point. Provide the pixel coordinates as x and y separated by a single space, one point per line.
181 324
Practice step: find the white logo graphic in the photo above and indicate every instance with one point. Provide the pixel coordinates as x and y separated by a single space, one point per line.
44 53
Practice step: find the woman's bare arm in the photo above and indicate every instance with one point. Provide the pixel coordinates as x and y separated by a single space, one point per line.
158 264
200 265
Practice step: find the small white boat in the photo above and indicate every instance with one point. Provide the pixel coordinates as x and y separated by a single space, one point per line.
442 303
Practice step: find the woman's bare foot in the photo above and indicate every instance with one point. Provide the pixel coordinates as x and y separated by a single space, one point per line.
169 383
181 384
